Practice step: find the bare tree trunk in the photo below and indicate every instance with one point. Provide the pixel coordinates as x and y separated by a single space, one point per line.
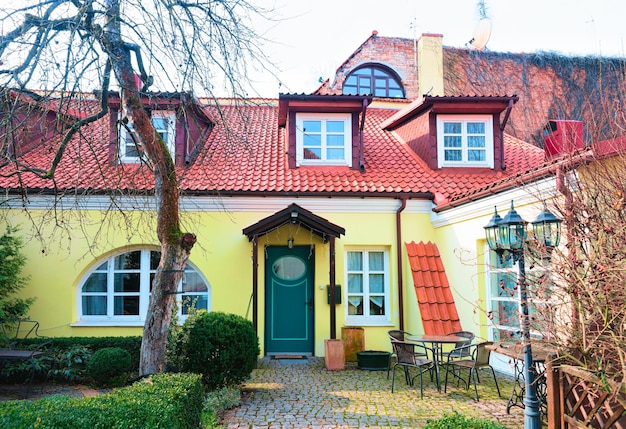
175 245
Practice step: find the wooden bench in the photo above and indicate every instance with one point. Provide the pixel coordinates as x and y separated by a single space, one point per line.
13 332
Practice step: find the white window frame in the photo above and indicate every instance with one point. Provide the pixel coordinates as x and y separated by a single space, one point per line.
465 149
366 319
110 319
324 118
168 133
510 270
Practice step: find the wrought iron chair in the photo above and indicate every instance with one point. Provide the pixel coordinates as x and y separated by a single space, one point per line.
395 335
477 358
411 355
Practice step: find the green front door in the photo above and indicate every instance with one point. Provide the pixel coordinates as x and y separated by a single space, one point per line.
289 300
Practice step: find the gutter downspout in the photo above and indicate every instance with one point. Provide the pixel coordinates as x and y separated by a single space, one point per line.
399 260
502 125
361 155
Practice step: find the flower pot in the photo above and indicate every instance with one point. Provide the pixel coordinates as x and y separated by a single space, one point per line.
334 355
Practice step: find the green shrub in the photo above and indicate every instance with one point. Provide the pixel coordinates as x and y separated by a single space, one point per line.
107 365
222 347
170 401
456 421
217 402
71 363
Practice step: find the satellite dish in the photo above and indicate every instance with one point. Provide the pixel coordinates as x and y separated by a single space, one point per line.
481 34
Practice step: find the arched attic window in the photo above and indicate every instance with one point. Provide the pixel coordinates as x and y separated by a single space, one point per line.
375 79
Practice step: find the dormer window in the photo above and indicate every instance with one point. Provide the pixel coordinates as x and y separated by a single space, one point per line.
164 121
323 138
376 80
465 141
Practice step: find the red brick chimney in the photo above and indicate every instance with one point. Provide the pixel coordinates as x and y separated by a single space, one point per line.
562 137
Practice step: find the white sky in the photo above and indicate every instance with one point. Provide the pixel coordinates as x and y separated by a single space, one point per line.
314 37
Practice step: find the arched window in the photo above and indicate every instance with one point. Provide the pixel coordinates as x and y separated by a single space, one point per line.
376 80
117 290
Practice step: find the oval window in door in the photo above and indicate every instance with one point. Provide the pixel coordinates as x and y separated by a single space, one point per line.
289 268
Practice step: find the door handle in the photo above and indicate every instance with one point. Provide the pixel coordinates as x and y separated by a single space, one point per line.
310 304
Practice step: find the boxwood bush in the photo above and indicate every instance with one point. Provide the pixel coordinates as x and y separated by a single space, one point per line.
222 347
457 421
108 364
169 401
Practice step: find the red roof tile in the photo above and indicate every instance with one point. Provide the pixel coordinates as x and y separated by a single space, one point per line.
246 153
434 297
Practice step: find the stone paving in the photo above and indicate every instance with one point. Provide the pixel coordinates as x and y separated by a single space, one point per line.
302 394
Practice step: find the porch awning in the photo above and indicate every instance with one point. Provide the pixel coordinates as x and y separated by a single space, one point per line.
434 297
296 215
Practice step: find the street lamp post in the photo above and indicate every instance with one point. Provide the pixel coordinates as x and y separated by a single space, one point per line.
507 236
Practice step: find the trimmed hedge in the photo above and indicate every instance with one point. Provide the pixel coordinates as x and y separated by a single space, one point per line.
457 421
160 401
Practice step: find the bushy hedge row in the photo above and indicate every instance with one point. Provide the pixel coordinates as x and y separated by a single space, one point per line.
71 355
160 401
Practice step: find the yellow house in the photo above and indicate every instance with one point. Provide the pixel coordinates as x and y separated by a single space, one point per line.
375 197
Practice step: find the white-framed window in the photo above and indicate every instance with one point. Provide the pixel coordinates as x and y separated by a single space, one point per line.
504 298
117 289
324 139
164 121
367 291
465 141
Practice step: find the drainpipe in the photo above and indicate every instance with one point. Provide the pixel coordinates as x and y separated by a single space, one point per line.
399 257
255 283
502 125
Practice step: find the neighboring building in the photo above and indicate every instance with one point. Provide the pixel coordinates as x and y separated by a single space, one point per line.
385 198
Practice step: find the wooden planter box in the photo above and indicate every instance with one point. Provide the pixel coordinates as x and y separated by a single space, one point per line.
373 360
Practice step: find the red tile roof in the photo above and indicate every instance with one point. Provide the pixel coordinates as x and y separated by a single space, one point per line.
434 297
246 153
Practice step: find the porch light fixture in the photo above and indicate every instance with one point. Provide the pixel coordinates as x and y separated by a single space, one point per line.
507 237
290 242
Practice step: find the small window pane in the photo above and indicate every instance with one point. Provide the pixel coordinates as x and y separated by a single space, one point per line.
476 128
126 282
476 155
335 126
128 261
312 126
312 153
350 81
452 127
377 283
452 141
155 258
376 261
312 140
355 305
97 282
355 261
335 141
355 283
94 305
476 141
126 305
453 155
335 154
377 305
193 282
199 302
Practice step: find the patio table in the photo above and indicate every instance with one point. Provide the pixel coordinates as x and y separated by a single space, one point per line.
435 344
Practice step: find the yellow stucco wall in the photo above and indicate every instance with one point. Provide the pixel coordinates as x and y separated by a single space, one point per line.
222 255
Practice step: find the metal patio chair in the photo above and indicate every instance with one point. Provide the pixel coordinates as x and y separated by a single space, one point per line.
477 358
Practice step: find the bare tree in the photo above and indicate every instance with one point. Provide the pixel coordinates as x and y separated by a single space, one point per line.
62 47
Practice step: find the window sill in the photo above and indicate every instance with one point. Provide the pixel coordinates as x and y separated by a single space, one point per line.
366 322
110 323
